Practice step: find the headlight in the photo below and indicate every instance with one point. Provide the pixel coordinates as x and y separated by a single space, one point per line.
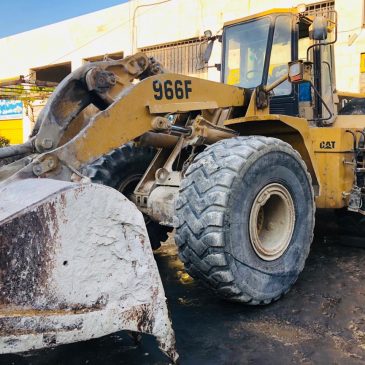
296 71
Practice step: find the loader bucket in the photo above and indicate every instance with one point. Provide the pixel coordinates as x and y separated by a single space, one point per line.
75 264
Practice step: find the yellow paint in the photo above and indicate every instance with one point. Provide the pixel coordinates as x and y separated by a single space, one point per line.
233 77
326 165
10 79
293 130
135 110
346 94
12 130
262 14
362 62
336 177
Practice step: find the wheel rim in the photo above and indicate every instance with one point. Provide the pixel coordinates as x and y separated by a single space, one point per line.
272 221
127 186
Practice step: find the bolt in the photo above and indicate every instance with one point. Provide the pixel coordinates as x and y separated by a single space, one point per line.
47 143
37 169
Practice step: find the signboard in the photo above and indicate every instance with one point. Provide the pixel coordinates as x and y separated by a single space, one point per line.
11 109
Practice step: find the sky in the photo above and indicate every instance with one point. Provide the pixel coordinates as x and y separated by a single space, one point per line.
18 16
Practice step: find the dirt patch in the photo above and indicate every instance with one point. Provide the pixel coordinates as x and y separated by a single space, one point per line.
320 321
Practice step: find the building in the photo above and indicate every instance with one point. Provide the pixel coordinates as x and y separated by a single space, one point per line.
170 30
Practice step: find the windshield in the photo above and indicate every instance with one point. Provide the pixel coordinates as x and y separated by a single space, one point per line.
245 53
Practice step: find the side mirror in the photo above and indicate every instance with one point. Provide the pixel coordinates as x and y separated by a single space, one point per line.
318 29
208 51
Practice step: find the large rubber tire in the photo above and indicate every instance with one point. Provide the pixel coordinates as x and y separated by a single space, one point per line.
214 210
122 169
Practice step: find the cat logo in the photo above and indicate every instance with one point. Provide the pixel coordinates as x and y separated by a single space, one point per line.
327 145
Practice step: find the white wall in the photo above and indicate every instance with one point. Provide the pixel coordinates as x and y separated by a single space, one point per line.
71 40
350 44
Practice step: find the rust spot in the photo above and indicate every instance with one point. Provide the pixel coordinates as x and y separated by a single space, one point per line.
143 316
145 323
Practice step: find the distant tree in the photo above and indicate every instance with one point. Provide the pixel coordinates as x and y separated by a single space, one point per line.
4 142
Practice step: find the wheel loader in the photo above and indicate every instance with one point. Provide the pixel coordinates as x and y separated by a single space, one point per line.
125 151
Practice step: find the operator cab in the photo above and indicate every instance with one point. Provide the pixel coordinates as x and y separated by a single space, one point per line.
257 49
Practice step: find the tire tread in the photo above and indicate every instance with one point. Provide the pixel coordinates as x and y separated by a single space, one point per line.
200 211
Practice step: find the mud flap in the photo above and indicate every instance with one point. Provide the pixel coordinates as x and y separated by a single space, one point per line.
75 264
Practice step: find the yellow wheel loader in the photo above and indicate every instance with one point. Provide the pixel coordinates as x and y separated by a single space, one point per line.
237 167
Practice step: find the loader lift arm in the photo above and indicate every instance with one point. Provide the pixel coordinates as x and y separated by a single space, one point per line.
127 112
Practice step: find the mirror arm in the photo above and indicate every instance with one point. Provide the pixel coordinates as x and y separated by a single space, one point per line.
276 83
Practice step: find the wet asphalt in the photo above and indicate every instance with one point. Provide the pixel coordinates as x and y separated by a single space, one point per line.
320 321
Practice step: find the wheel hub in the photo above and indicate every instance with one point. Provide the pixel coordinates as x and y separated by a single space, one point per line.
272 221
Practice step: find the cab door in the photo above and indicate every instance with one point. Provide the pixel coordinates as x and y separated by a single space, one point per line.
284 97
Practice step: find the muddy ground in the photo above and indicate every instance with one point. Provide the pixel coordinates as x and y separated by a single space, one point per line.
320 321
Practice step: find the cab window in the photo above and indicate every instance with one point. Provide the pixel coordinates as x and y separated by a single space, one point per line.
280 55
245 52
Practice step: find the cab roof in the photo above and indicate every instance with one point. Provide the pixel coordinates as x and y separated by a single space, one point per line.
261 15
